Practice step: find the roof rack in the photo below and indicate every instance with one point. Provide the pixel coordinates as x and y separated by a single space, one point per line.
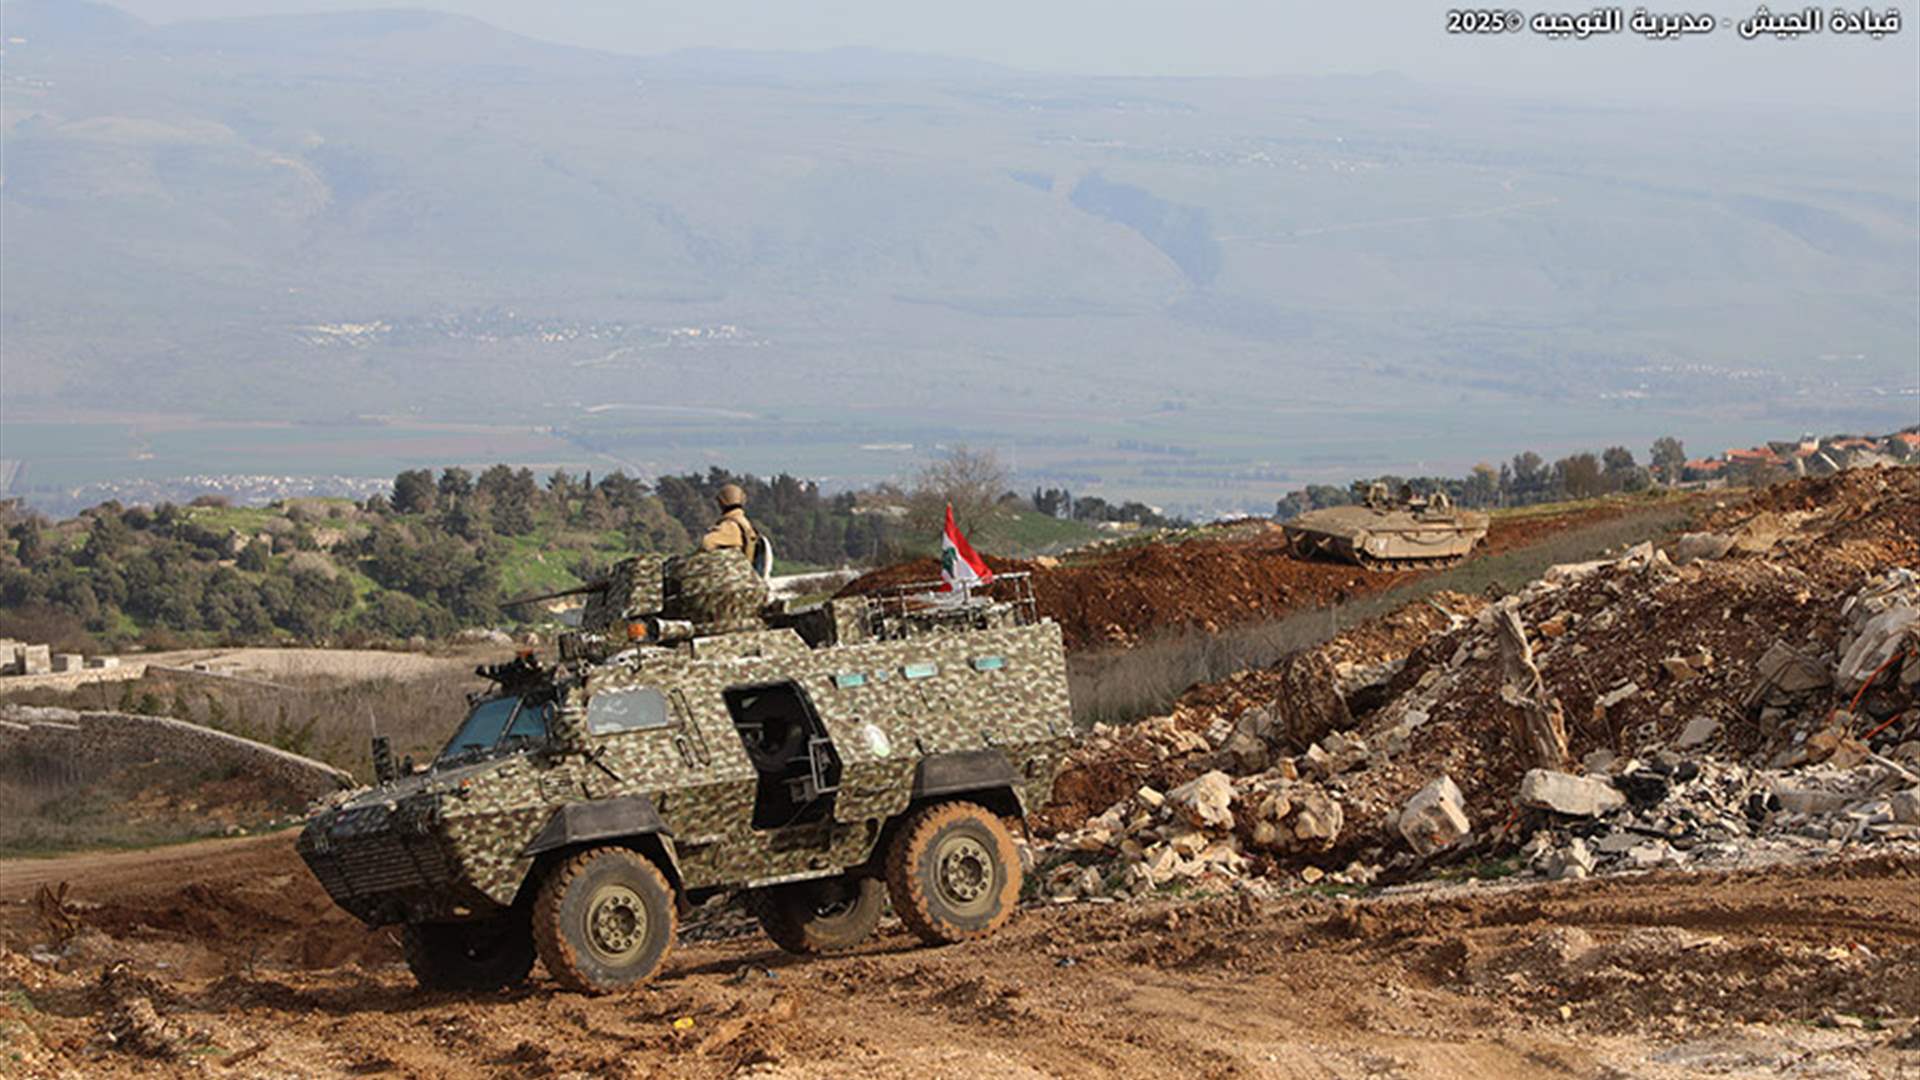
922 606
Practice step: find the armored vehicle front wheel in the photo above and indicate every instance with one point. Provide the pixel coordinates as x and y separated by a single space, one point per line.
483 955
953 873
819 916
604 920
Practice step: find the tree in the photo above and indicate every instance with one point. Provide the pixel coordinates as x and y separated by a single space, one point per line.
1669 458
1052 502
1531 477
27 544
968 480
107 537
455 483
253 557
514 498
413 492
1580 475
1622 472
1482 487
623 492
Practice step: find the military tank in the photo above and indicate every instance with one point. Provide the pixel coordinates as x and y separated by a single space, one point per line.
1384 533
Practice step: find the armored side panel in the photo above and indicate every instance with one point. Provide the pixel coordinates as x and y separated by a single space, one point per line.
576 823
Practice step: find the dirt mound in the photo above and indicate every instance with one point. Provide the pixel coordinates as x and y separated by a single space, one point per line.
245 922
1122 596
210 905
1119 596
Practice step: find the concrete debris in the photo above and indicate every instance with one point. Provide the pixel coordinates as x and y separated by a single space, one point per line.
1316 818
1570 863
1564 793
1905 806
1754 697
1883 626
1699 731
1435 818
1692 547
1784 674
1205 801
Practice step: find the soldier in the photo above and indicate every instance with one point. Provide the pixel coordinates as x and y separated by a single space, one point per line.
733 532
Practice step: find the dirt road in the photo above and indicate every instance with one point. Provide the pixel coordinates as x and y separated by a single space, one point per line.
1667 975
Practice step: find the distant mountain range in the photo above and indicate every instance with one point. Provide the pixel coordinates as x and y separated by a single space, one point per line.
303 220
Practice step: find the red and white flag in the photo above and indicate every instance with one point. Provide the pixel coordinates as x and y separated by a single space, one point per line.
961 567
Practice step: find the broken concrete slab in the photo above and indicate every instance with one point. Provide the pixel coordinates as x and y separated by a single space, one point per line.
1805 799
1564 793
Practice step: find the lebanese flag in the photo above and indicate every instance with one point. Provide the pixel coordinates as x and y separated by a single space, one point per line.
961 567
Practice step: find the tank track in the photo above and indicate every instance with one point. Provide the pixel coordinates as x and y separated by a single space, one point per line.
1389 566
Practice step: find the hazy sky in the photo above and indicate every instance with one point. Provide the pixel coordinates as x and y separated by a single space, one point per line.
1218 37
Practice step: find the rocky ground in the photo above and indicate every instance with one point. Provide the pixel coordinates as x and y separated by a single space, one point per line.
1657 815
224 959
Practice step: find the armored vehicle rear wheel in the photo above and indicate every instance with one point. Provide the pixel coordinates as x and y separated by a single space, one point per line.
954 873
826 915
604 920
483 955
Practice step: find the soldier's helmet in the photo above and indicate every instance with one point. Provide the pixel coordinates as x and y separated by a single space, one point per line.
730 496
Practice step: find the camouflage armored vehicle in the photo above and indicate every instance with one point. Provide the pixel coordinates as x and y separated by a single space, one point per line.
691 740
1381 533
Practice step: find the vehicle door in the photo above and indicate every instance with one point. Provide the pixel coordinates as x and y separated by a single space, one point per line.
653 740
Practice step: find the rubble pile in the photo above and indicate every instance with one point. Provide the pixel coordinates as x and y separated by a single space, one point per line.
1749 692
1675 812
1251 721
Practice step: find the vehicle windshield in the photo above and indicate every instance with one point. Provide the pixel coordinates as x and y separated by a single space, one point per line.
498 722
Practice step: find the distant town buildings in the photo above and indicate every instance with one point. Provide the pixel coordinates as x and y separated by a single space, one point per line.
1806 456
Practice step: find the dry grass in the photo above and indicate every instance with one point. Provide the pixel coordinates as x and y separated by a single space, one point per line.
320 716
49 804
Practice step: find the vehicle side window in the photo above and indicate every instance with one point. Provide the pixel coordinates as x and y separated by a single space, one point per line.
530 722
638 709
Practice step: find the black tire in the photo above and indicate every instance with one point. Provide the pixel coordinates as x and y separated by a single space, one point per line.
826 915
482 955
604 920
953 873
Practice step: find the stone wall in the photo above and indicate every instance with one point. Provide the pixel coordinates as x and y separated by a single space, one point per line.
114 739
70 680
